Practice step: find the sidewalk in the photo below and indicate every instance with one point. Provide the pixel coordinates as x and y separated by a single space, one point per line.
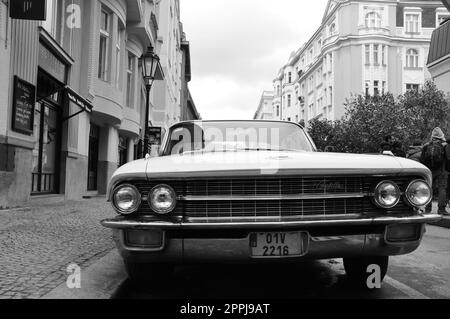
445 222
37 244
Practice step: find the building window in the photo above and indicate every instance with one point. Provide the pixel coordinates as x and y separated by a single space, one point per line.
290 77
383 88
412 23
373 20
412 58
104 45
333 29
130 80
289 100
367 51
330 89
412 87
52 24
367 88
376 88
376 54
441 18
383 55
118 55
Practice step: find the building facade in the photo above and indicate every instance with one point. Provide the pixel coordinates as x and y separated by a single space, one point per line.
361 47
88 116
439 56
265 108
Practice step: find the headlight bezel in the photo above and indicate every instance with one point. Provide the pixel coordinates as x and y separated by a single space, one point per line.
126 211
377 192
410 185
165 211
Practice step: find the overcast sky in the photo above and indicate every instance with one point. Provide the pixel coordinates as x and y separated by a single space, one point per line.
238 46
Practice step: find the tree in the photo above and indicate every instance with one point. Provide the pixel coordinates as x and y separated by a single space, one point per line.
369 119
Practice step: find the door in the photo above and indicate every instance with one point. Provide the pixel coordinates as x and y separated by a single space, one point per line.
45 176
93 157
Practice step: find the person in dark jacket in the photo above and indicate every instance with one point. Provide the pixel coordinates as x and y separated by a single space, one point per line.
415 151
387 144
397 149
440 174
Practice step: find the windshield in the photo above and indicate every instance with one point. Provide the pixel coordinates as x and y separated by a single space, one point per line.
192 137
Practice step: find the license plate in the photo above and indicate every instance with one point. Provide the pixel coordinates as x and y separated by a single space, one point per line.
278 244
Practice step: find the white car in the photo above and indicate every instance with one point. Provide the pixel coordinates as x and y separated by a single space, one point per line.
258 191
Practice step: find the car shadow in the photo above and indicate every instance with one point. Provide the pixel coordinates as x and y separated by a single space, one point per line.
306 280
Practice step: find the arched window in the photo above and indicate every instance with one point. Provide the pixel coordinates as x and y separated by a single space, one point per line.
373 20
412 58
333 28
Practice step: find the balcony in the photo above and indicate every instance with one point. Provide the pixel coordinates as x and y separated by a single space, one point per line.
440 44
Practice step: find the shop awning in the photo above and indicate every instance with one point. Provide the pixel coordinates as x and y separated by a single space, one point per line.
72 96
77 99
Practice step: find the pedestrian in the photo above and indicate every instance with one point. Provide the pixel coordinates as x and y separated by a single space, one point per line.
330 149
415 151
434 156
397 149
387 144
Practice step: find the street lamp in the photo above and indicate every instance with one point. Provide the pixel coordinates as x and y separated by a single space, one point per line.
150 64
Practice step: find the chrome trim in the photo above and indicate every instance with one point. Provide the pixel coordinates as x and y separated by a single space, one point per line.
274 218
120 223
269 198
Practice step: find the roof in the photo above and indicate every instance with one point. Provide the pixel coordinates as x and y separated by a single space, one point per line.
440 44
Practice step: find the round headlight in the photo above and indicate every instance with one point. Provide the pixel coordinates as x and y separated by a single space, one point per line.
387 194
126 199
418 193
162 199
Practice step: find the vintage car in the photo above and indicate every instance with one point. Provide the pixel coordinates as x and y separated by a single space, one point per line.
260 192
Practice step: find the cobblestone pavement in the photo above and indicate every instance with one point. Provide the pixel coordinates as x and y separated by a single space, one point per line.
37 244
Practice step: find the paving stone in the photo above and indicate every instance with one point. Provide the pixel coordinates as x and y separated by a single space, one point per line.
37 244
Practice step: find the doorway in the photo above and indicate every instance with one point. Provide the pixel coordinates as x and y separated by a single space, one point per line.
46 155
94 136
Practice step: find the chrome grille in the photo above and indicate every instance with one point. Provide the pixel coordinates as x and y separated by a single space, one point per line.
285 186
275 208
228 191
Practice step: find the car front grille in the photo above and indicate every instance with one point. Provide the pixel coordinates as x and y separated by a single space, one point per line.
290 197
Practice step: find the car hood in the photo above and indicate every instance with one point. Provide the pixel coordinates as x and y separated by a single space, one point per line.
268 163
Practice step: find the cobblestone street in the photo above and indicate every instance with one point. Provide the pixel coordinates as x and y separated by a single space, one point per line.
37 244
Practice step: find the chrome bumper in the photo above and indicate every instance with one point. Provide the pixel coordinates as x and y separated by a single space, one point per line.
188 249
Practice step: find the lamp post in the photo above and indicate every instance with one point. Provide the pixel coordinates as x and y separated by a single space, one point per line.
150 63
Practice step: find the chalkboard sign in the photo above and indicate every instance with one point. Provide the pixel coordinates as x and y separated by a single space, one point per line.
23 106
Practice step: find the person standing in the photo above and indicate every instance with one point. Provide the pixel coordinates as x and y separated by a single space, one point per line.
415 151
434 156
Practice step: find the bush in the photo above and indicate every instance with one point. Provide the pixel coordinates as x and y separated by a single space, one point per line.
369 119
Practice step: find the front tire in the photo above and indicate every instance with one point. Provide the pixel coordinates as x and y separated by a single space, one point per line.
148 273
357 268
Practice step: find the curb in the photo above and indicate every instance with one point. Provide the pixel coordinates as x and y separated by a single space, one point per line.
98 281
444 223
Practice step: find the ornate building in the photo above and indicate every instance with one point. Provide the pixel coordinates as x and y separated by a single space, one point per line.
361 47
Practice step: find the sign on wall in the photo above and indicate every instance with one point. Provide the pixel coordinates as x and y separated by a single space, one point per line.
24 99
28 9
